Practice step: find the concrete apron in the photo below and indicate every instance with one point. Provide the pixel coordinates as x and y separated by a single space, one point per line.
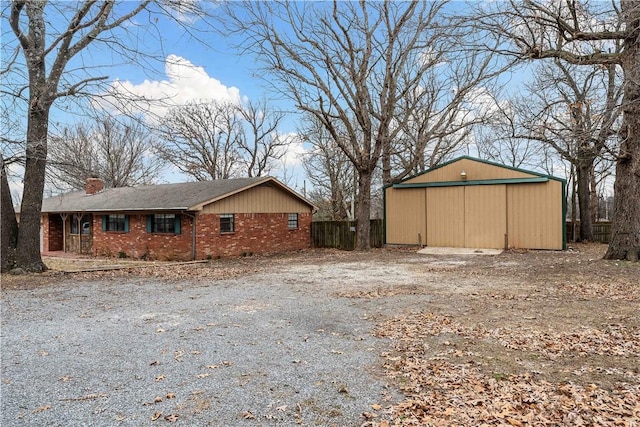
430 250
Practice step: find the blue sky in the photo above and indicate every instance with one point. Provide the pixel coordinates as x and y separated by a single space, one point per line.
209 68
188 69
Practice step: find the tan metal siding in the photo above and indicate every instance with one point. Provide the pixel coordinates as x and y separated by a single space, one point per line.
485 216
534 215
445 216
261 199
477 215
474 170
405 216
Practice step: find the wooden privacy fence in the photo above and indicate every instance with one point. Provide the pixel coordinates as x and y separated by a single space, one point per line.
342 234
601 231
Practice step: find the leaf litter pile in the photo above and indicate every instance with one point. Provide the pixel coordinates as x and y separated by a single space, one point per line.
450 387
556 346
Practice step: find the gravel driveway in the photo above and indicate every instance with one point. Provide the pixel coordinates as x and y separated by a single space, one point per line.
271 348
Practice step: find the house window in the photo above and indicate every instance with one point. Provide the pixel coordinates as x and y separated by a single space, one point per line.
119 222
80 223
163 223
226 223
293 221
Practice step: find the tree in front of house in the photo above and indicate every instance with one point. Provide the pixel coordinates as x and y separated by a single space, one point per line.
44 48
347 64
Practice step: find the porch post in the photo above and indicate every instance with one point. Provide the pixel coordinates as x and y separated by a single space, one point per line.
64 232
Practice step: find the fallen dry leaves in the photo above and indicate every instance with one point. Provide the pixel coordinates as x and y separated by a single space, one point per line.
617 289
610 340
444 392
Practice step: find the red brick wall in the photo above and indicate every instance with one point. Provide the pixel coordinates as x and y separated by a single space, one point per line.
137 243
52 233
46 247
254 234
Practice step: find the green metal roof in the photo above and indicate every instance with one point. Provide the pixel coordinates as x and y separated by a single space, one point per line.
482 182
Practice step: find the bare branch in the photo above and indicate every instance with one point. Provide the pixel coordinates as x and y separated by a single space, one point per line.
77 87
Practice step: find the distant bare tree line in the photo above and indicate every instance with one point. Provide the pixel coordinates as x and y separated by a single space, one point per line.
204 140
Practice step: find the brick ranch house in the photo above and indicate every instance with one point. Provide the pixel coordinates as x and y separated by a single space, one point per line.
193 220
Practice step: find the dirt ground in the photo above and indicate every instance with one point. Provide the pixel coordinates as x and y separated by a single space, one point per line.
520 338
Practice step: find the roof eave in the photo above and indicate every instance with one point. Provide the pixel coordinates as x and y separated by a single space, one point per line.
180 208
200 206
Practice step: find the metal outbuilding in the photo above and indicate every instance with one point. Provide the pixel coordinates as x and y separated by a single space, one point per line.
474 203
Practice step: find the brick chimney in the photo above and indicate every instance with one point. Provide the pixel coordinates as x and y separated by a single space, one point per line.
93 185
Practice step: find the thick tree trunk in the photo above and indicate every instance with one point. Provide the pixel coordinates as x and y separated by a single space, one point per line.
584 202
625 229
363 211
28 255
386 162
8 224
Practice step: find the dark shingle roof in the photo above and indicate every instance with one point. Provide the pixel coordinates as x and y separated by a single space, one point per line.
183 196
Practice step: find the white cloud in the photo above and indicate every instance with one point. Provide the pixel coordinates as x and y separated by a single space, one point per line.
484 102
295 149
289 169
185 82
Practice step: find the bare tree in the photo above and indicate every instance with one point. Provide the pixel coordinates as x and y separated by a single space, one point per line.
569 31
119 151
342 63
439 116
44 39
494 139
575 111
219 140
330 172
260 141
579 119
202 140
493 144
